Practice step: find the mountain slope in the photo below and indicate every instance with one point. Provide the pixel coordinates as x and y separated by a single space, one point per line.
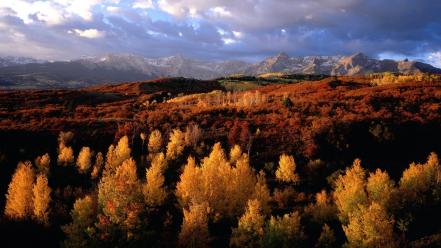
116 68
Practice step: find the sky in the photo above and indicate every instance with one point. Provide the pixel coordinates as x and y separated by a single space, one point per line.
221 29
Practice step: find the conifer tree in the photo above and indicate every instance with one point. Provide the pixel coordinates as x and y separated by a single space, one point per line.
286 172
19 203
41 199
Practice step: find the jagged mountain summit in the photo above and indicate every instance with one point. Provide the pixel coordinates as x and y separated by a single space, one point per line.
114 68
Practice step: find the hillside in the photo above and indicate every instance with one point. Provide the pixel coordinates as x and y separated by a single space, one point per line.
322 124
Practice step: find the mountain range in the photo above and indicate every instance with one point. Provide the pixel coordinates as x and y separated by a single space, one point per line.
113 68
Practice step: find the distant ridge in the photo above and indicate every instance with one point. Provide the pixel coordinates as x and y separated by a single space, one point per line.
116 68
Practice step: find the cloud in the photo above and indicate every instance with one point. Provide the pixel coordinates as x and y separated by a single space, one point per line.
88 33
143 4
435 59
221 29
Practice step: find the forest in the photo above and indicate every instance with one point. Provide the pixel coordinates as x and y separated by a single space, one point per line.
319 162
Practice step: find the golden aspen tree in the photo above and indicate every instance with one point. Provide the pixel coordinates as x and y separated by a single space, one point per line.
155 142
242 184
250 230
43 163
65 155
323 210
84 159
192 135
176 144
189 188
420 179
19 196
154 192
41 199
350 190
286 172
216 176
97 167
327 238
225 188
120 194
370 227
262 193
83 217
380 187
284 231
116 155
194 229
235 154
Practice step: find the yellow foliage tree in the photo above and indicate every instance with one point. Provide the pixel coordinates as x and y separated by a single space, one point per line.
117 155
176 144
323 210
380 187
350 190
99 162
65 155
43 163
194 229
235 154
84 159
284 231
250 230
225 188
327 238
83 217
192 135
286 172
154 192
120 195
419 179
19 203
41 199
370 227
262 193
155 142
242 185
188 188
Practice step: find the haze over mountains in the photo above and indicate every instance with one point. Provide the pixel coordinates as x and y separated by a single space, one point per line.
114 68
